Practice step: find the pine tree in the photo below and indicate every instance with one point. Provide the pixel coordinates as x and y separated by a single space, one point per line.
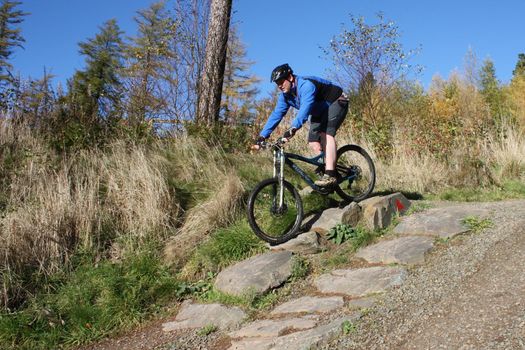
150 71
239 87
10 38
10 35
490 89
97 88
519 71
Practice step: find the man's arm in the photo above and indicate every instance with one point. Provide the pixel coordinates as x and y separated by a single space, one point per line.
275 118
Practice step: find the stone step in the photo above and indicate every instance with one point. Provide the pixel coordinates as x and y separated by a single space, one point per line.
439 222
309 305
360 282
405 250
201 315
302 340
275 328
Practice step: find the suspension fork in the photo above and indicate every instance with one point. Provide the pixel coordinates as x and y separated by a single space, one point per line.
278 171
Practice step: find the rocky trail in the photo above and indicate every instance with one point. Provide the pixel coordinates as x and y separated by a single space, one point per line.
433 283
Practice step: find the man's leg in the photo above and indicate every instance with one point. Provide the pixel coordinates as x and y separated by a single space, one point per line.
331 152
336 114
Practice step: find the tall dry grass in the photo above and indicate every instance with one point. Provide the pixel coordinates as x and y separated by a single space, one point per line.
89 200
104 201
489 160
506 151
209 167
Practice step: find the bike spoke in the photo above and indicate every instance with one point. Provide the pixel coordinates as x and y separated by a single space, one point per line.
356 173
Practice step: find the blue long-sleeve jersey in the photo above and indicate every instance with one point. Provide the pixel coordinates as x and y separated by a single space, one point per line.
310 95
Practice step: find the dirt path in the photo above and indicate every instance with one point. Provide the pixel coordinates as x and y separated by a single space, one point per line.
487 309
469 295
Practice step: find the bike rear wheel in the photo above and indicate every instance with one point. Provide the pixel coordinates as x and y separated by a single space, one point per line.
356 173
269 220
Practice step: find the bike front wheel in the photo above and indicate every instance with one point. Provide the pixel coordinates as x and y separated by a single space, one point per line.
356 173
271 220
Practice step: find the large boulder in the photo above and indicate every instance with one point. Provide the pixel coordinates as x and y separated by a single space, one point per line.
377 212
352 214
328 219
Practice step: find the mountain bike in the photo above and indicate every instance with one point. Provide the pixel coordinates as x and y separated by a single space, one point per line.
275 208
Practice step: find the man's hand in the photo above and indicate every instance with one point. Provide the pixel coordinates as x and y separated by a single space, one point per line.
259 143
288 134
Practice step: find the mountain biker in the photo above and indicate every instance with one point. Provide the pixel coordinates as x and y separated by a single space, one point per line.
317 99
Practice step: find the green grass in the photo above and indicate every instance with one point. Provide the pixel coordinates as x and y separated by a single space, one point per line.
511 189
225 246
93 301
417 207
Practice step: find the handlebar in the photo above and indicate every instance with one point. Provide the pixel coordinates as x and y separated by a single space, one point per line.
268 144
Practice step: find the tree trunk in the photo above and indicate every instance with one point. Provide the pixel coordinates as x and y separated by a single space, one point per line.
212 79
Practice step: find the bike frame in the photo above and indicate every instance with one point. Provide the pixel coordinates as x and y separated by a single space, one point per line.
278 169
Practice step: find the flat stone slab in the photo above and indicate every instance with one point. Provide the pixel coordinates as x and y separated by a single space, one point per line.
274 328
360 282
309 305
305 243
303 340
257 274
439 222
201 315
404 250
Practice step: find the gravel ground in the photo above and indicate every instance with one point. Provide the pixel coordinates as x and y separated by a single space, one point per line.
470 294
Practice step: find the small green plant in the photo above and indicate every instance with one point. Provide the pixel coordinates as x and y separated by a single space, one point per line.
300 268
476 224
201 287
341 233
207 330
348 327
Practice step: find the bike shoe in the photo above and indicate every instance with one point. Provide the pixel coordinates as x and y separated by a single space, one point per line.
326 181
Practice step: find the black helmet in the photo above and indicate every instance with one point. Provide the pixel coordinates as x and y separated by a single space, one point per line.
280 72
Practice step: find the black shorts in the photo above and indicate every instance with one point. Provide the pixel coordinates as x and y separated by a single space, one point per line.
329 121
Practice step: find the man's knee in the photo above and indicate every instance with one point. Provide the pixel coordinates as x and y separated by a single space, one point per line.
316 147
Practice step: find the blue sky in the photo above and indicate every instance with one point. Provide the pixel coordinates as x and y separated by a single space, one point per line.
277 31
